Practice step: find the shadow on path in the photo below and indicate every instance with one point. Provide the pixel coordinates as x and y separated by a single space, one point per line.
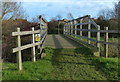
60 41
72 42
57 42
56 56
59 53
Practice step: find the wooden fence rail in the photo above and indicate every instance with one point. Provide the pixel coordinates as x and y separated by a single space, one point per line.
95 30
72 25
42 32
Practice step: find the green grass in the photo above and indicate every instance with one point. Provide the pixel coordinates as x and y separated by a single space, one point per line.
64 64
31 71
108 67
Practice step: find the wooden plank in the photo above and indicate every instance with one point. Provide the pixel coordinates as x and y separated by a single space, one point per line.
43 37
44 29
84 37
110 31
42 41
43 24
42 32
19 58
83 17
83 42
80 24
24 33
26 46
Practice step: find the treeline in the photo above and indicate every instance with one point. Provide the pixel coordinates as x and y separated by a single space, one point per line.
54 27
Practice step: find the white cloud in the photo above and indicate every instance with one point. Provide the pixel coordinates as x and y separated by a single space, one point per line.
52 8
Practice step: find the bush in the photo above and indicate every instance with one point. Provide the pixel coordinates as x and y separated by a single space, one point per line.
9 42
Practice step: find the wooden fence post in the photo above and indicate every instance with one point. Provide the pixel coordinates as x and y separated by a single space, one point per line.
75 28
65 29
81 28
19 58
68 29
89 33
33 49
98 39
71 28
106 40
58 27
41 42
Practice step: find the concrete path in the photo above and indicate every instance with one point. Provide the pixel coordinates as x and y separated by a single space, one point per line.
59 41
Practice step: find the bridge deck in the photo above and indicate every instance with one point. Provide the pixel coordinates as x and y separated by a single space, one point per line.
59 41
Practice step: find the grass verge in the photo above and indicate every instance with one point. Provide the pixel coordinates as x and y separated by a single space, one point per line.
64 64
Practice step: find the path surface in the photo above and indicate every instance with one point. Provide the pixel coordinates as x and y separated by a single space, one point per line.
59 41
72 64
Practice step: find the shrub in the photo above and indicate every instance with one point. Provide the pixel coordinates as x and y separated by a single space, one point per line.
9 42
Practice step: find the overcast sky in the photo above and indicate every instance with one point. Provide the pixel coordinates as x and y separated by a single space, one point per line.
52 8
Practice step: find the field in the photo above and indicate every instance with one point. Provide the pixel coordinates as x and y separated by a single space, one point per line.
64 64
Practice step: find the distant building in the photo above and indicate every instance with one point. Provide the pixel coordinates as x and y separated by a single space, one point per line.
62 21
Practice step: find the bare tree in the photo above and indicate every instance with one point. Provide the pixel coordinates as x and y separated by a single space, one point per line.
70 16
106 14
111 13
12 10
59 17
117 10
35 19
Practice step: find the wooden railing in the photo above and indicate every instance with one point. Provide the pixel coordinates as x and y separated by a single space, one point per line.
42 31
71 26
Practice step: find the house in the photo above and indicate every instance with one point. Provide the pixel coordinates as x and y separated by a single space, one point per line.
62 21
